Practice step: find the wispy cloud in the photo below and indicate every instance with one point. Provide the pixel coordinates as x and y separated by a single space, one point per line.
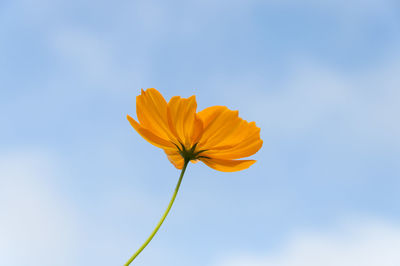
364 242
313 96
37 226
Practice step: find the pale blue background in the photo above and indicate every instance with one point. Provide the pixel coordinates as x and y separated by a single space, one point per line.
79 187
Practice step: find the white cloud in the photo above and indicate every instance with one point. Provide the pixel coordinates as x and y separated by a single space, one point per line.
365 243
313 97
36 226
93 58
355 8
84 50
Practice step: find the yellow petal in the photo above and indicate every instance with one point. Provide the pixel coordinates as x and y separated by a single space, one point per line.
228 165
226 136
197 129
175 158
236 153
209 114
240 132
225 125
213 118
223 128
248 146
151 110
149 136
182 119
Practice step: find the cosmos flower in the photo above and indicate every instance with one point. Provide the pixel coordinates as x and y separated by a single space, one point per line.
216 135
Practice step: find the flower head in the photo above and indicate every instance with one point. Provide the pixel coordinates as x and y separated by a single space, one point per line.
216 135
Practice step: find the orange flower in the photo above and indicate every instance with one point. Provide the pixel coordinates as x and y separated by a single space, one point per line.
216 136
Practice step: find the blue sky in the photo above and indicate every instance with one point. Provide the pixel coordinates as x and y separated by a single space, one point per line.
79 187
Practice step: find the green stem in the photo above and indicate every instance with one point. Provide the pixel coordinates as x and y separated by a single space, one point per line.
162 218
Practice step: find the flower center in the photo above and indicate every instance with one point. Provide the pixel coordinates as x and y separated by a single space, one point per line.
191 153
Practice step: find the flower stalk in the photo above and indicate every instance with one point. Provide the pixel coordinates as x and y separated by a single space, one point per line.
171 202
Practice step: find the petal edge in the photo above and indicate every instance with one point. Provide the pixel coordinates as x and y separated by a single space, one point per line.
148 135
228 165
